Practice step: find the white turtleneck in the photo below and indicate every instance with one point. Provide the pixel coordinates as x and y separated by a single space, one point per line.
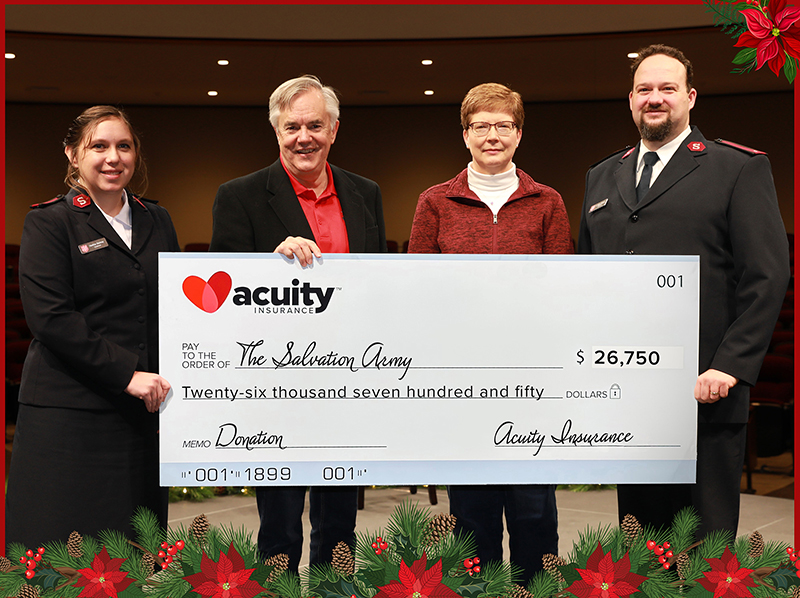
493 189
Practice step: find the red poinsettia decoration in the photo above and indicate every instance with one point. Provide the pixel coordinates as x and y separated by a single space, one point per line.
605 578
726 579
772 32
226 578
104 578
416 582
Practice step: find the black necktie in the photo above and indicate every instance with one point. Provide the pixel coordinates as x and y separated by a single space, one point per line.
643 187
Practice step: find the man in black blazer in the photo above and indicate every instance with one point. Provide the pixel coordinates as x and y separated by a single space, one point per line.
714 199
302 207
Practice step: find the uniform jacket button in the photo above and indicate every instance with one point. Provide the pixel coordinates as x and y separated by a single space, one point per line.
634 217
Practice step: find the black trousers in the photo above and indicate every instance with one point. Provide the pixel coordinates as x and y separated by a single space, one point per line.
332 511
531 518
715 494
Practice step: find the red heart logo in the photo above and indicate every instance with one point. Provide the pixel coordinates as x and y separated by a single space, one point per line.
210 295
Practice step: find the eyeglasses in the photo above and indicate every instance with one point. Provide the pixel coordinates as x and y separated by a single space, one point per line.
504 128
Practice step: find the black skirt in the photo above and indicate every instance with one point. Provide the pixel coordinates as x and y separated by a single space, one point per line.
79 470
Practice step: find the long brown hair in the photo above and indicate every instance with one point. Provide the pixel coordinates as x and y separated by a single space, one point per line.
80 134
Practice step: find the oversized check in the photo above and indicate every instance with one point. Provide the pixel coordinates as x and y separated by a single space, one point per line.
411 369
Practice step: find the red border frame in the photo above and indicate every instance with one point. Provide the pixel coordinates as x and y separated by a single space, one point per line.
619 2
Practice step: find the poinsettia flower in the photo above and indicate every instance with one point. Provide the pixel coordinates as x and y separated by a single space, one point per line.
416 582
606 578
772 34
227 578
104 578
726 579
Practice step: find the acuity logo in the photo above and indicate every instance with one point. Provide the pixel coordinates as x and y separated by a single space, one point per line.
208 296
299 298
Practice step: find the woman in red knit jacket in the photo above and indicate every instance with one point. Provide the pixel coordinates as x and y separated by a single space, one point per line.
494 207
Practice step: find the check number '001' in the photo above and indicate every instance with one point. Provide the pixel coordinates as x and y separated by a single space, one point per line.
668 358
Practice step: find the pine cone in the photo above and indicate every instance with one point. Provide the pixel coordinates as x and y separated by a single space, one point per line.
632 528
74 544
5 564
796 592
148 564
27 591
199 528
342 560
280 562
517 591
550 562
439 528
756 544
684 566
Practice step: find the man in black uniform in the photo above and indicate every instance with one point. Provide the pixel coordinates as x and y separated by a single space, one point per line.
676 193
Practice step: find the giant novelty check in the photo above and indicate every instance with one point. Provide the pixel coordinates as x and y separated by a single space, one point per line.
409 369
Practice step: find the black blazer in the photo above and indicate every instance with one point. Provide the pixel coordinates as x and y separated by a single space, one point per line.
93 313
718 202
258 211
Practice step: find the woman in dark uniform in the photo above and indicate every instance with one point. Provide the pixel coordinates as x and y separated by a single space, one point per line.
85 452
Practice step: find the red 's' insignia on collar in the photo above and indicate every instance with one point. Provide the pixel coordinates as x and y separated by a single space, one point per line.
81 201
696 146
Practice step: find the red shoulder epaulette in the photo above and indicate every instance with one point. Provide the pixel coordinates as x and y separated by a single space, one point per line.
743 148
49 202
139 200
627 153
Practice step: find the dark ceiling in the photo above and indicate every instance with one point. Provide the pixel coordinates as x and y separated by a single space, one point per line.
167 54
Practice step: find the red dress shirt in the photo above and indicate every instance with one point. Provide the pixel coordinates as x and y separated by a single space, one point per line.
324 214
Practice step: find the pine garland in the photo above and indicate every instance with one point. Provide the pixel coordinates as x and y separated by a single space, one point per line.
174 563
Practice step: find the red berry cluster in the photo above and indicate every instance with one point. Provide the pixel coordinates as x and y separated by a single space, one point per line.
472 566
30 560
793 557
662 551
168 551
379 545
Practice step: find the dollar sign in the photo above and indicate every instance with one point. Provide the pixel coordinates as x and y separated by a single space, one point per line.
580 356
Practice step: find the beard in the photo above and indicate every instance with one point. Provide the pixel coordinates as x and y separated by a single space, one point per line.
658 132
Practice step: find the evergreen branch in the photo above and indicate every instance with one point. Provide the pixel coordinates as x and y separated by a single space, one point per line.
587 542
657 587
364 553
288 586
117 545
409 520
774 554
148 528
58 556
726 14
542 584
499 577
714 544
10 584
684 527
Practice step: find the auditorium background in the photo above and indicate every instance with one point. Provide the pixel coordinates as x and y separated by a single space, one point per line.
569 63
